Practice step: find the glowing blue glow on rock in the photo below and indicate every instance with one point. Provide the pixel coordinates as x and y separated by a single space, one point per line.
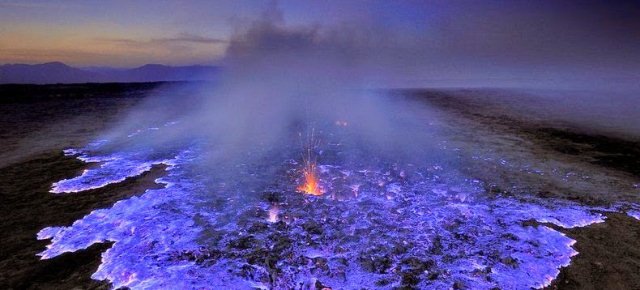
113 169
634 214
383 231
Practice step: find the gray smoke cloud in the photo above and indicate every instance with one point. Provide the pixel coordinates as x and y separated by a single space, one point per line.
282 84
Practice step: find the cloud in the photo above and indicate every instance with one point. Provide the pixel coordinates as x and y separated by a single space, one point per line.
179 49
182 38
46 55
22 5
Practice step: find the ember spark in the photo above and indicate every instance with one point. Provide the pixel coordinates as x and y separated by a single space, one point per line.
311 183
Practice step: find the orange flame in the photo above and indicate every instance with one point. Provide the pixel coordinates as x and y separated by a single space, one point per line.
311 182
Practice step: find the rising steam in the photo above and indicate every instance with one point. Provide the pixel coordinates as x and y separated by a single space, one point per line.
279 83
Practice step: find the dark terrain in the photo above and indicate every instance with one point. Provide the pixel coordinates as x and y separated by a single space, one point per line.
56 117
28 113
609 256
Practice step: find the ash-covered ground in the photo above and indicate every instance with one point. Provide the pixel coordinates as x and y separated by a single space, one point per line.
509 199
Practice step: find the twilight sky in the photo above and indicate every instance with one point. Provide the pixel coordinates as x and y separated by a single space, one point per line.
452 38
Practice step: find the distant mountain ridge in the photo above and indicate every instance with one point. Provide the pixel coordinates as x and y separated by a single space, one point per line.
57 72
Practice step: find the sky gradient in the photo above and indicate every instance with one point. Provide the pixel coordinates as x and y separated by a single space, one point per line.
452 38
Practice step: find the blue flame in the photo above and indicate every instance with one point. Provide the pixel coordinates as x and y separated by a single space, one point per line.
162 238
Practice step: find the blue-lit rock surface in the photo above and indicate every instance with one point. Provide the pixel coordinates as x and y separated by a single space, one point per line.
376 227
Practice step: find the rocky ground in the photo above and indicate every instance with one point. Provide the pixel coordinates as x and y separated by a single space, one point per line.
608 257
37 123
581 165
